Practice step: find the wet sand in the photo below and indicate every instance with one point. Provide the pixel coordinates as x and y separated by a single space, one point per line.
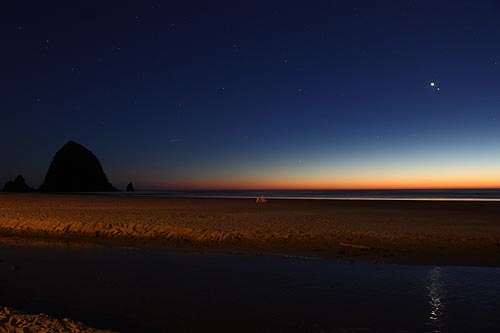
412 232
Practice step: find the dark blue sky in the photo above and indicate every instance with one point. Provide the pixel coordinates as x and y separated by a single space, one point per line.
276 94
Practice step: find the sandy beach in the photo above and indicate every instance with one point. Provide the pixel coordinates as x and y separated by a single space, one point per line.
15 321
414 232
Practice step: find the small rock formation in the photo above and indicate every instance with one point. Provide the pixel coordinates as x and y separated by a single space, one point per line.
17 185
74 168
130 187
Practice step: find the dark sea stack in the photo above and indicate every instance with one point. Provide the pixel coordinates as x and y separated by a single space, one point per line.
74 168
130 187
17 185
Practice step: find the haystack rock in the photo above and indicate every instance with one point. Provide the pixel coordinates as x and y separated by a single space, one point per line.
130 187
17 185
74 168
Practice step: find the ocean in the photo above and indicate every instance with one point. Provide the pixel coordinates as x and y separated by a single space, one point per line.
434 194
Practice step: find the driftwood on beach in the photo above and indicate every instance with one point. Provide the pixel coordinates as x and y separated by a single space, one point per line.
355 246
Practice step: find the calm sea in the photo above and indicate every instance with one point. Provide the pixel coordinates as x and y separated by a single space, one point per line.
444 194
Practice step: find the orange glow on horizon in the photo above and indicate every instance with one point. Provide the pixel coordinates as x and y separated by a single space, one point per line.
409 175
341 184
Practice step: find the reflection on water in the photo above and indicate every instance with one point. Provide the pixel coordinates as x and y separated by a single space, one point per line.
140 290
435 287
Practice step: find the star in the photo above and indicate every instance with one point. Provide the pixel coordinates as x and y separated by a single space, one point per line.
433 84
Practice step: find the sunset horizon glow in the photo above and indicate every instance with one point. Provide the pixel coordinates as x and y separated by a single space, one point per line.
420 183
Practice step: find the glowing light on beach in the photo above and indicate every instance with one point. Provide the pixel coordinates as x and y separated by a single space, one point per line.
435 288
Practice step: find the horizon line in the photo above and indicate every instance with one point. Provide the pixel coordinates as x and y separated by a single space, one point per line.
315 189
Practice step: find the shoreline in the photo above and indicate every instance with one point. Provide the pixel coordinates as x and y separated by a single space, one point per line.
148 194
320 198
464 233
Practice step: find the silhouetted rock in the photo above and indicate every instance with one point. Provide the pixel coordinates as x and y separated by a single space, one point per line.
130 187
74 168
18 185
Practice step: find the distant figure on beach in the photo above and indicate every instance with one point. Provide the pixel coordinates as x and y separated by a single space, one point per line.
130 187
17 185
261 200
74 168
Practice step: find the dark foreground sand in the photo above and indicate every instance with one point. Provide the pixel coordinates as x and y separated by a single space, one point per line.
12 321
415 232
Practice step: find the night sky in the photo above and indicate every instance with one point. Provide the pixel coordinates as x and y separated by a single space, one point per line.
271 94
